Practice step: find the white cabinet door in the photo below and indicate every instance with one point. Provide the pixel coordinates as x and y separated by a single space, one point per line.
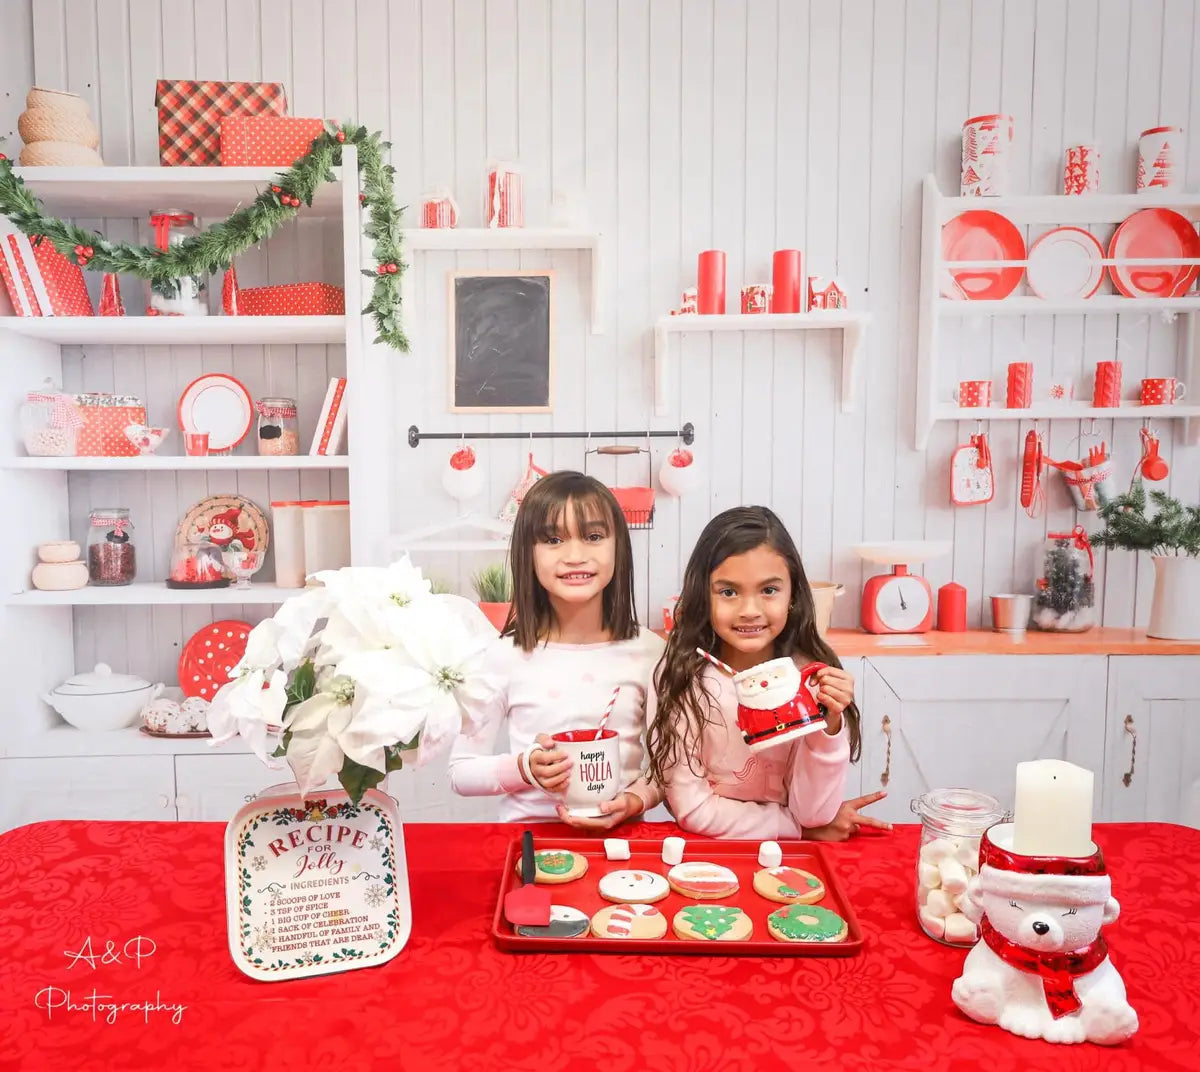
1152 769
940 721
132 787
212 788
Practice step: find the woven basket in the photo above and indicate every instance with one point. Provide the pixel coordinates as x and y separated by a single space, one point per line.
57 99
55 124
59 154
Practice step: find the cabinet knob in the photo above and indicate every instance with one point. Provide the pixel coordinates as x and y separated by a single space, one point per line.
1131 729
164 801
886 727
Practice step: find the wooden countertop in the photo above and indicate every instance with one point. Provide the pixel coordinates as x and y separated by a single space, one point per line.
1101 641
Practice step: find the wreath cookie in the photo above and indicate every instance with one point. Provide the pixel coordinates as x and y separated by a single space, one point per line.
806 923
788 885
702 881
557 865
712 923
629 921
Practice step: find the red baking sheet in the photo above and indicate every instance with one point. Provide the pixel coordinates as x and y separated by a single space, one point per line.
741 857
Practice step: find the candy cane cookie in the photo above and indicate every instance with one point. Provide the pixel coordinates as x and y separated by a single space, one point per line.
629 921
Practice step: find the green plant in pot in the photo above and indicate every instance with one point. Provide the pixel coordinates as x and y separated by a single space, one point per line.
1170 531
493 586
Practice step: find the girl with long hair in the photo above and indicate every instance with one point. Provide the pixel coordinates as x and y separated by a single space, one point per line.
571 639
745 600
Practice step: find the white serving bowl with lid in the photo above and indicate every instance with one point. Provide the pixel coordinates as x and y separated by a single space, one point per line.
101 699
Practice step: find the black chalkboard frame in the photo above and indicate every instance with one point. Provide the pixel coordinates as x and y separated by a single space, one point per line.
531 406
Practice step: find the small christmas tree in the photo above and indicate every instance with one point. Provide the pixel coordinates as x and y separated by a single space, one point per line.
1066 592
1173 530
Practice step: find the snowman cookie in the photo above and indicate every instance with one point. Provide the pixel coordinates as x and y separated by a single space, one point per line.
788 885
633 887
712 923
629 921
565 922
702 881
557 865
806 923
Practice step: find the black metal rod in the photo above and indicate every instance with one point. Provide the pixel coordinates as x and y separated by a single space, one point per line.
687 434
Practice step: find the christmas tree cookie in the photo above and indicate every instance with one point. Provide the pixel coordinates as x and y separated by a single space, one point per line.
712 923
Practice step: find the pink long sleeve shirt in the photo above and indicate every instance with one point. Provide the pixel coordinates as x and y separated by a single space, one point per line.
553 688
729 791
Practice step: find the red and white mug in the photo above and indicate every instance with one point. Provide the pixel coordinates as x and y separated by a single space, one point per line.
1159 151
1081 171
974 394
1162 391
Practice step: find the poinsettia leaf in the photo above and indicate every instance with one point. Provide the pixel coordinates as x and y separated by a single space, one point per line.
357 779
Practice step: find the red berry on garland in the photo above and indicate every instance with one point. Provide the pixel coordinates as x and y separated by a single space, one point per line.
393 268
3 157
362 199
276 189
78 250
341 135
89 252
381 270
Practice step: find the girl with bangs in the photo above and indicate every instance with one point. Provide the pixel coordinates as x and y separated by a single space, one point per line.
571 639
746 600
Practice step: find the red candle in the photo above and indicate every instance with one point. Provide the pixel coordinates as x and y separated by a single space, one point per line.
952 608
788 282
710 282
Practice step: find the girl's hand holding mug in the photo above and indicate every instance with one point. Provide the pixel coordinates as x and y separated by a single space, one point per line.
835 692
549 766
624 806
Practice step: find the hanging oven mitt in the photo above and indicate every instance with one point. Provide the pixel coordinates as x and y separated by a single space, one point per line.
533 473
971 478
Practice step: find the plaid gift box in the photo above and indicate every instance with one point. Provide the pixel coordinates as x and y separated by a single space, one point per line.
266 140
190 115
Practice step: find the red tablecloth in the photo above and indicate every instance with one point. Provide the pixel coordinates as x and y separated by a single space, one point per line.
450 1000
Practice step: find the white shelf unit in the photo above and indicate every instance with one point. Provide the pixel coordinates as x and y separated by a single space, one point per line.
39 491
489 239
937 210
852 325
172 463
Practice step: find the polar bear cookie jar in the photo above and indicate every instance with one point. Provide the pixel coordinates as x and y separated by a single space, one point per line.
777 702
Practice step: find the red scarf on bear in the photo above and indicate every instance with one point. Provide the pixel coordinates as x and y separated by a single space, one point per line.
1056 969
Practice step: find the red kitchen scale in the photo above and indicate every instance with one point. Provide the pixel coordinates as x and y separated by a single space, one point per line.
898 602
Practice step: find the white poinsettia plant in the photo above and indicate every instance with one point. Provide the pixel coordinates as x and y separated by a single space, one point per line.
348 677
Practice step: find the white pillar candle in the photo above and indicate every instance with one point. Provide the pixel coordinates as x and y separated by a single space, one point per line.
1053 814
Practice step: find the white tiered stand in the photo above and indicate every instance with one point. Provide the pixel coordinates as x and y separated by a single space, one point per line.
126 774
935 310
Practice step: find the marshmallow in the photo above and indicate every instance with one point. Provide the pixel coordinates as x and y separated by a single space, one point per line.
960 929
968 855
933 925
672 850
939 903
961 902
616 848
770 854
934 851
954 875
928 875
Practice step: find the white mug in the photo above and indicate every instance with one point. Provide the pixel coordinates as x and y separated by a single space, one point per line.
595 769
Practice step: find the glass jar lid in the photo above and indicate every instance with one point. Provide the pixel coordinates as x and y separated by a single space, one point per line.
276 407
958 812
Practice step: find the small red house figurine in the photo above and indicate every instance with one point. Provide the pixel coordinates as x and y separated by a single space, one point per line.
826 293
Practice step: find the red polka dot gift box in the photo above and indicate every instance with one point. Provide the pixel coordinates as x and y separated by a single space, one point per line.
105 417
288 299
266 140
190 116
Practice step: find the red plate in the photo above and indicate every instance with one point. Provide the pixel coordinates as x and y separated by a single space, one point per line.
209 655
980 235
646 855
1154 232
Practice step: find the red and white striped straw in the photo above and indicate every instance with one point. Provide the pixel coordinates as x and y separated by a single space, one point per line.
725 668
607 712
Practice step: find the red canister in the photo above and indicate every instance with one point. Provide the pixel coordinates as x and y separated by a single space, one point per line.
1020 385
952 608
788 282
1107 392
710 282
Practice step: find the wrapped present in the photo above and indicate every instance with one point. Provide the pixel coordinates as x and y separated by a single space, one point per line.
287 299
190 116
266 140
41 281
105 417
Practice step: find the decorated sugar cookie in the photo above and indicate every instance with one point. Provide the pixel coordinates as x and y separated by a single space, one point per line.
712 923
788 885
702 881
565 922
557 865
806 923
629 921
633 887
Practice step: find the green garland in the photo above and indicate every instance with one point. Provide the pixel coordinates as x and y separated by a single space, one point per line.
215 249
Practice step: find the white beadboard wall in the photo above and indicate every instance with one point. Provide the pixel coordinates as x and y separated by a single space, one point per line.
687 124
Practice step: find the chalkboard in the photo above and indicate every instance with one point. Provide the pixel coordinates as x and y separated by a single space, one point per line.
501 341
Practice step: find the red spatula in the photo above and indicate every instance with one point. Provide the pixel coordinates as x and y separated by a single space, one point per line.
528 905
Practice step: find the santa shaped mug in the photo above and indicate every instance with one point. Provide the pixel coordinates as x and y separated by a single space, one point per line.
595 769
777 702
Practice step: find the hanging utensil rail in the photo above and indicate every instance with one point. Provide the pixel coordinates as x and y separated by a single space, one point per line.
686 434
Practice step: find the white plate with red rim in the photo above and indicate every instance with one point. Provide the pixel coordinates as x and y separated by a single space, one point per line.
220 405
1065 264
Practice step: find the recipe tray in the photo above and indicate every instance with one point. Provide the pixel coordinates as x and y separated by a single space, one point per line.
741 857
